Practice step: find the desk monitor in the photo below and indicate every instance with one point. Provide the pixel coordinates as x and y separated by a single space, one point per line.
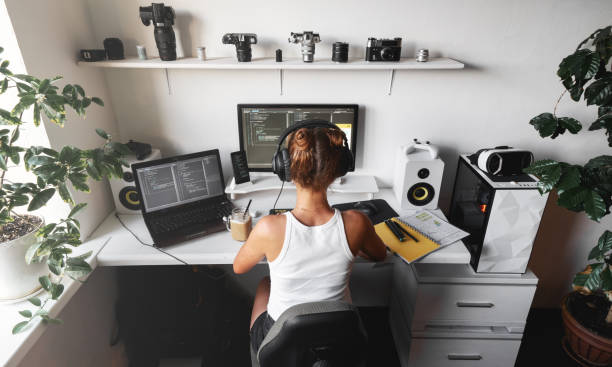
260 127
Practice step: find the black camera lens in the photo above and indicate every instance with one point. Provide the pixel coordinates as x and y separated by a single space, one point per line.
166 43
386 53
340 52
243 51
423 173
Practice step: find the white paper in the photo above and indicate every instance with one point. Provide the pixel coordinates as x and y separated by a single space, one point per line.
430 225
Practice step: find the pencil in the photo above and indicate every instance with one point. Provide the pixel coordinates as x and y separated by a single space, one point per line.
405 231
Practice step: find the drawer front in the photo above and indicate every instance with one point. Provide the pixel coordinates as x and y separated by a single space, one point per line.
400 331
483 304
462 352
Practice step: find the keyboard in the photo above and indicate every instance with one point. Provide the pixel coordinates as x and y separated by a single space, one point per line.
199 215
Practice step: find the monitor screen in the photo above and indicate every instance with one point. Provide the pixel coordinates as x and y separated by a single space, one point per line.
260 127
180 181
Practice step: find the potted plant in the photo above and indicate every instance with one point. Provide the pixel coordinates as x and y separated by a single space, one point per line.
586 312
25 238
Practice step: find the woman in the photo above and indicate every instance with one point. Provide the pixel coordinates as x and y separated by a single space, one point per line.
310 250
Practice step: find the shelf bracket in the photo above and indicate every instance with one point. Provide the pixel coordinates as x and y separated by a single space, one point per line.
280 80
391 77
168 81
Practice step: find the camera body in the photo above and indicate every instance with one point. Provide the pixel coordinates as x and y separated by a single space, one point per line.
243 42
162 18
307 39
383 49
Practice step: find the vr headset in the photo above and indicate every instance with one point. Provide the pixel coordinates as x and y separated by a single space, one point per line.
502 161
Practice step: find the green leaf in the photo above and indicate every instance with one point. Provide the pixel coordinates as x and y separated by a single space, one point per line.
84 256
64 193
56 290
593 281
97 101
45 282
573 199
55 264
80 90
594 205
36 115
31 253
40 199
15 135
604 244
606 279
26 313
4 86
35 301
20 327
599 162
77 268
571 124
78 182
4 64
76 209
44 85
7 118
49 320
599 92
545 123
102 134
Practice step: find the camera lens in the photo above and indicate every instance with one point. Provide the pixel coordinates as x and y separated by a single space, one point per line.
243 51
386 53
340 52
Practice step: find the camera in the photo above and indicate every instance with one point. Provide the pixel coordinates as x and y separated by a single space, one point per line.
383 49
163 19
243 42
307 39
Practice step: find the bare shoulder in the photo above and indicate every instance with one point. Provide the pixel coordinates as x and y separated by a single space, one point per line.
271 226
354 219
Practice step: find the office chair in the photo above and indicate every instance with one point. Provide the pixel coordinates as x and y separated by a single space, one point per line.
317 334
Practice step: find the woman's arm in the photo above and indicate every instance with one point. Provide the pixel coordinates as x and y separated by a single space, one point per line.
362 237
261 242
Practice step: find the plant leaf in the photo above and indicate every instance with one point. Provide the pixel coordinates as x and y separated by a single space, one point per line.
77 268
594 205
35 301
19 327
26 313
76 209
545 123
570 178
571 124
45 282
102 133
593 281
97 101
599 92
604 244
40 199
56 290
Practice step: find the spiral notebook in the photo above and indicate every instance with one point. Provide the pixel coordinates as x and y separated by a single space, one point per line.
432 232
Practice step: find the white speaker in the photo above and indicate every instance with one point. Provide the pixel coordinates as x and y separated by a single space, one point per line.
127 199
418 176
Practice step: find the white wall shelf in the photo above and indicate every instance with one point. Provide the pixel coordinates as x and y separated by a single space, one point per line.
230 63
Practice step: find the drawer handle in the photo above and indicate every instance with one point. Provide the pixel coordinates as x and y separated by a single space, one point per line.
475 304
464 357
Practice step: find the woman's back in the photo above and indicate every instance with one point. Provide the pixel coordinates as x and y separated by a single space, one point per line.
314 264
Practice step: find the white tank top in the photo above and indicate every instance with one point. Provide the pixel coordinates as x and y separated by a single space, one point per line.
314 265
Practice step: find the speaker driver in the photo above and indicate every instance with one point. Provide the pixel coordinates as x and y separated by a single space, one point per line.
129 197
421 194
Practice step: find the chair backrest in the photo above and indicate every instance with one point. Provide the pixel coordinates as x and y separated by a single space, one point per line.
318 334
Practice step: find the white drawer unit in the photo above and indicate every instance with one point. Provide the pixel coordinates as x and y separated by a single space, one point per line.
448 315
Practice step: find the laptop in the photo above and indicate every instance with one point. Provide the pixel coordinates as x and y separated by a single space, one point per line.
182 197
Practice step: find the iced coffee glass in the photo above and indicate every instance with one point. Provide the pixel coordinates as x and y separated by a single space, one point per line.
239 224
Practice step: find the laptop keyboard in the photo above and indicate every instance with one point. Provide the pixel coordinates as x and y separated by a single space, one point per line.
190 217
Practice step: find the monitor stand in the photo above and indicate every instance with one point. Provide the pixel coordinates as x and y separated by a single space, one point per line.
350 184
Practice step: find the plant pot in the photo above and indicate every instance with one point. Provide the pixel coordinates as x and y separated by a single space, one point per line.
589 346
17 278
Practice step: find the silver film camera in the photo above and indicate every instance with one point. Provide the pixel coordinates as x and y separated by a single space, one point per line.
243 42
307 39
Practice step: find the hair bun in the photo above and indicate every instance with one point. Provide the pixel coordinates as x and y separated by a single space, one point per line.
303 139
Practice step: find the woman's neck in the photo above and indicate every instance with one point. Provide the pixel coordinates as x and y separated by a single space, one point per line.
311 207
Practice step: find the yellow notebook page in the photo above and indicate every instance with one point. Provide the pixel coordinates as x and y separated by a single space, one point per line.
409 250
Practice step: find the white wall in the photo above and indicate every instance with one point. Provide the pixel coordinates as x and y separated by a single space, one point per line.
511 50
50 35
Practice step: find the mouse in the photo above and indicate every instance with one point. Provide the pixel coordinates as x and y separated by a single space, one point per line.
366 208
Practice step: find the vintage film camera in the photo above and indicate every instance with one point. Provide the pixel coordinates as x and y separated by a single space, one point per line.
243 42
383 49
163 19
307 39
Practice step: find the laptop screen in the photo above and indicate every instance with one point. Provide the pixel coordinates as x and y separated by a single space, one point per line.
179 182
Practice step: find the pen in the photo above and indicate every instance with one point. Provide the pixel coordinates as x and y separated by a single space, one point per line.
395 231
401 228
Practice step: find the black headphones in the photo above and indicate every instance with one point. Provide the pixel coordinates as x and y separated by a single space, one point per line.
281 162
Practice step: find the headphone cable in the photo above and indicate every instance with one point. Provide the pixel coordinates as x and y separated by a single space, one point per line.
146 244
279 194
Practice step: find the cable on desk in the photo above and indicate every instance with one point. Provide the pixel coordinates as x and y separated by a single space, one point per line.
146 244
279 194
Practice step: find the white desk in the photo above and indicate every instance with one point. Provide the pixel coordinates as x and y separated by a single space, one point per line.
219 248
